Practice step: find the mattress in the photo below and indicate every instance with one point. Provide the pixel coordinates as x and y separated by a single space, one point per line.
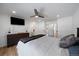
44 46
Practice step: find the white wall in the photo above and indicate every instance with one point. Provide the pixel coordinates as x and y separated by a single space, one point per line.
64 26
5 26
76 22
3 29
69 25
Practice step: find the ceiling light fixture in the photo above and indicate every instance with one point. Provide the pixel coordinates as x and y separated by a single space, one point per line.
13 12
58 16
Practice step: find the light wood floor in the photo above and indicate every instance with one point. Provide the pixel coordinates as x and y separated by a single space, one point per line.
8 51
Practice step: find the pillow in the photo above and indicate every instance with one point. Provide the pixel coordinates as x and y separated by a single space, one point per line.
67 41
64 38
77 38
77 41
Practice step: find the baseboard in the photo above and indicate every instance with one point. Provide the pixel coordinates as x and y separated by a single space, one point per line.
3 46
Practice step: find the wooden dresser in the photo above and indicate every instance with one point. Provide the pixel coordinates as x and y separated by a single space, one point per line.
12 39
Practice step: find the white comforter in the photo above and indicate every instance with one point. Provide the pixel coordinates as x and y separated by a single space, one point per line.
44 46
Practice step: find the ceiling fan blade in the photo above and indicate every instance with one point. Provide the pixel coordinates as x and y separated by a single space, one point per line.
32 16
41 16
36 12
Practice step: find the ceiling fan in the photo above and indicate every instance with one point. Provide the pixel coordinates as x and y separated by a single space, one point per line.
37 14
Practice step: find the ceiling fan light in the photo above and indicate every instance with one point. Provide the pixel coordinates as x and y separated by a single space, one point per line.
36 16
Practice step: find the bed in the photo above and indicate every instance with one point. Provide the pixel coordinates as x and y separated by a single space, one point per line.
43 46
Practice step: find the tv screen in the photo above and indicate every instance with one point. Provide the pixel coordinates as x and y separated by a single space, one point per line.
17 21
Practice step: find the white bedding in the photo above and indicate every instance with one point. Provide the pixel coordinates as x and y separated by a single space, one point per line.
44 46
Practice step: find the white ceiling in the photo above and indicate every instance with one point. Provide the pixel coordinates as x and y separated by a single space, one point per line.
25 10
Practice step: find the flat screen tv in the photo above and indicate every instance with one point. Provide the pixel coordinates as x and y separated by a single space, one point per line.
17 21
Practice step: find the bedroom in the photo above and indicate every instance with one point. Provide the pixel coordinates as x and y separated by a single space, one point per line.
59 20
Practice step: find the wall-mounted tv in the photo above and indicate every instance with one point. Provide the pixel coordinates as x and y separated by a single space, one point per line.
17 21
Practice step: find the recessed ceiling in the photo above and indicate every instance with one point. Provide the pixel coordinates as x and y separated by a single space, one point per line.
49 9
